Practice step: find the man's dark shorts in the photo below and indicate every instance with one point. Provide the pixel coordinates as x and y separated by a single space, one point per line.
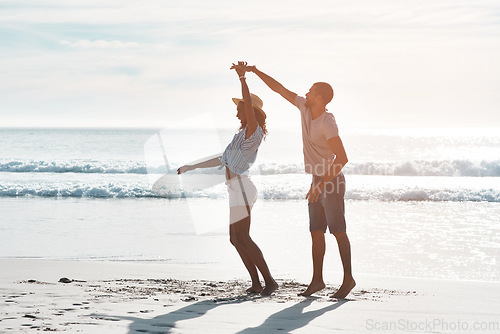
329 209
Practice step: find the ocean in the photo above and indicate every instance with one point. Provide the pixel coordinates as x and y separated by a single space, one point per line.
419 203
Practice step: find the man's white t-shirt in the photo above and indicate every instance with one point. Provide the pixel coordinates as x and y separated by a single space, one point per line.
315 135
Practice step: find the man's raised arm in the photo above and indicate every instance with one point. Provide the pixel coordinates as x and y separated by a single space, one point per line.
273 84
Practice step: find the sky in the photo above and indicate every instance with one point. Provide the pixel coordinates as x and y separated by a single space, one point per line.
150 63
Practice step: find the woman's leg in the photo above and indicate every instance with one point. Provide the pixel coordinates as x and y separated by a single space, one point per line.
240 236
234 235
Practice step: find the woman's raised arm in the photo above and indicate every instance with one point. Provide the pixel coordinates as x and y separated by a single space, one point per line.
249 112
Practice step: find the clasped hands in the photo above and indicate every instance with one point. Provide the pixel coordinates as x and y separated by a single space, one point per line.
242 67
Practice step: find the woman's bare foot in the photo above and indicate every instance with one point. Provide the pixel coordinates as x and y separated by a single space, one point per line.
312 288
269 289
345 288
255 288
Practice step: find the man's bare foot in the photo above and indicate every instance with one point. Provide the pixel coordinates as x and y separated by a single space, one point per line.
344 290
269 289
312 288
255 289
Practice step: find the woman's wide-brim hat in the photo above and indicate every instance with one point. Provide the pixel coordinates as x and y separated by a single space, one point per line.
256 103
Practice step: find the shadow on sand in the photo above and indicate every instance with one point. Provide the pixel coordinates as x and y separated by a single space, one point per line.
284 321
167 322
292 317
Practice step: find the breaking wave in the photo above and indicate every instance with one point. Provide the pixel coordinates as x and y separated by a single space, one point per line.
453 168
267 191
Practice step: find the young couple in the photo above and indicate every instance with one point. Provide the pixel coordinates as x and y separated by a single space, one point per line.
324 158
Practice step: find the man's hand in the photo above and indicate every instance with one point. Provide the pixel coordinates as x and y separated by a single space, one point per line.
315 191
248 68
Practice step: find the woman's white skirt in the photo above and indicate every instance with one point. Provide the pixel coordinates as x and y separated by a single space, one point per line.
242 193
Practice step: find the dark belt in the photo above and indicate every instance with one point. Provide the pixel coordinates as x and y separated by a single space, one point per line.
317 178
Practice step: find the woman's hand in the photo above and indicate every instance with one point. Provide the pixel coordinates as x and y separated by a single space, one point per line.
240 68
183 169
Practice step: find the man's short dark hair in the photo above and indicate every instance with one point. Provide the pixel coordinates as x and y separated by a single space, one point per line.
325 90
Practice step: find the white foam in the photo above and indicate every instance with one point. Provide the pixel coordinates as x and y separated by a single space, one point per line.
270 187
455 168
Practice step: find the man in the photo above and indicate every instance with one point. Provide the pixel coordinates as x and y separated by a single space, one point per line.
324 158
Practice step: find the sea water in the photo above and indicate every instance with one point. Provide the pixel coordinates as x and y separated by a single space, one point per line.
420 203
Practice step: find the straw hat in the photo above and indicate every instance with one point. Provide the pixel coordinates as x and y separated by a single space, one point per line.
256 103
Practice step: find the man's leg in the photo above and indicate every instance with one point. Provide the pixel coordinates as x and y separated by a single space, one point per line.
317 226
345 255
318 254
335 214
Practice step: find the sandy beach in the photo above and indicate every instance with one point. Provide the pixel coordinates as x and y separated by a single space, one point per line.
424 240
110 297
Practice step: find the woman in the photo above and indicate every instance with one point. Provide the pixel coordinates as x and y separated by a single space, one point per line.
237 158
